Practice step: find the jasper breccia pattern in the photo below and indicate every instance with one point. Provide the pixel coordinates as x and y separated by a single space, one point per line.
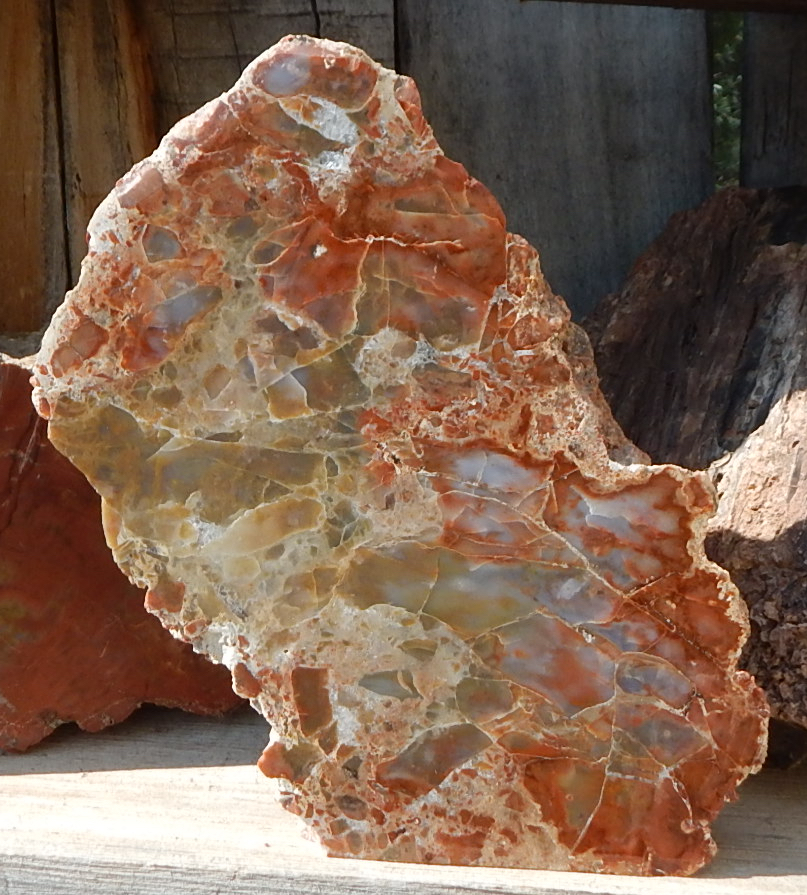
350 441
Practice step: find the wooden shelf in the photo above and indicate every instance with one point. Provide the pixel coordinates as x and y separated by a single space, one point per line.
169 803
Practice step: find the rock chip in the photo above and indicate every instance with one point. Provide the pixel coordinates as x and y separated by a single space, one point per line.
350 441
75 641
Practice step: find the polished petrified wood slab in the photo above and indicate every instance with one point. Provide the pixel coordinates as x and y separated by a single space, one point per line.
75 641
350 441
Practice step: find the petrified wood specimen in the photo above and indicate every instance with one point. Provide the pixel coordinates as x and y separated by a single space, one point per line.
703 356
350 441
75 641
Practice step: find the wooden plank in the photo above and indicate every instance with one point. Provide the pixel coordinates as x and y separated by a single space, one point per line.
198 48
107 117
591 124
774 127
32 239
369 24
772 6
169 803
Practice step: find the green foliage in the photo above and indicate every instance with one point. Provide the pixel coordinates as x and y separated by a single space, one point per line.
727 51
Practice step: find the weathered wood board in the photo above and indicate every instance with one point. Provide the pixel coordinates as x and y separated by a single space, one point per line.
369 24
712 5
198 48
169 803
774 130
33 271
106 113
590 121
90 87
591 124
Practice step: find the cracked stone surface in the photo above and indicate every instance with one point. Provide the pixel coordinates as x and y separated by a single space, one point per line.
349 440
75 641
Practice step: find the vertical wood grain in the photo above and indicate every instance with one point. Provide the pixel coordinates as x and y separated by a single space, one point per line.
106 106
32 235
591 124
774 126
369 24
198 48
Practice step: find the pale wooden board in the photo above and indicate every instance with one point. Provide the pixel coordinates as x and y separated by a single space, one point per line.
169 803
774 126
590 124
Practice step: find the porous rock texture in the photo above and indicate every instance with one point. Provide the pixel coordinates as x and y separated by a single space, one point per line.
75 641
703 357
352 444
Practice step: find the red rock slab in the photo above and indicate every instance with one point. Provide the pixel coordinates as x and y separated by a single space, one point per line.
75 641
350 439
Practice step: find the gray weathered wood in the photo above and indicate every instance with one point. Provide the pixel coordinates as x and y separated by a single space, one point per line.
712 5
589 123
170 804
106 110
774 128
369 24
32 235
198 48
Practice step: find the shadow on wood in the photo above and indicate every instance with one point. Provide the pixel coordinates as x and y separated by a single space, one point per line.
167 738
